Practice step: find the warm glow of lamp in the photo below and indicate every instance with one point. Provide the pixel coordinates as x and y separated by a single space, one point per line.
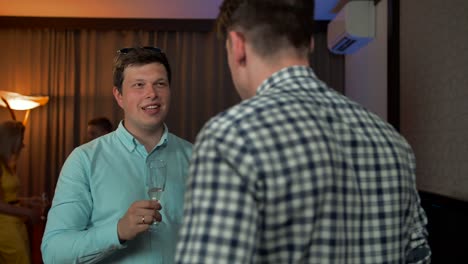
21 104
16 101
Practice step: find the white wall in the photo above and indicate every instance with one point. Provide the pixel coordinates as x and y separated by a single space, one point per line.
434 92
366 70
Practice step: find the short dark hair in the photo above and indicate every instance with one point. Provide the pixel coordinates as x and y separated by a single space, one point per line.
271 25
137 56
102 122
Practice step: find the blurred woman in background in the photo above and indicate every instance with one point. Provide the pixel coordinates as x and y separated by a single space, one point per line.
14 243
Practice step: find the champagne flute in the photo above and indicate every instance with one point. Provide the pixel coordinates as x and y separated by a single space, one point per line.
156 182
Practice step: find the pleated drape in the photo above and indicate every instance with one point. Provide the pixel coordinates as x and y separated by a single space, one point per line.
74 68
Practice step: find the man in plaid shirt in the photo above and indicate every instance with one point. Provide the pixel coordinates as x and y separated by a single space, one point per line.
296 173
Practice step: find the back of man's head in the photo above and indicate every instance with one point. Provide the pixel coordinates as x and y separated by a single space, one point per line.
98 127
270 25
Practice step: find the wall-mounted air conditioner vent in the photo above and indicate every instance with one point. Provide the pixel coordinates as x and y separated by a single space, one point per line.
352 28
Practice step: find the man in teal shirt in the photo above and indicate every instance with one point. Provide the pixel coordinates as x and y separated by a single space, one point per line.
101 211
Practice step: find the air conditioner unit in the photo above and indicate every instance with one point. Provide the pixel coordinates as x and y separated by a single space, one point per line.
352 28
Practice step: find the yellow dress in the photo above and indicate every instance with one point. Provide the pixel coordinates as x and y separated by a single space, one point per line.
14 242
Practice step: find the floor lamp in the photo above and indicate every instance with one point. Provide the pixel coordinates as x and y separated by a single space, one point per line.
16 101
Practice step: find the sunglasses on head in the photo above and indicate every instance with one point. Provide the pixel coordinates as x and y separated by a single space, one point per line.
127 50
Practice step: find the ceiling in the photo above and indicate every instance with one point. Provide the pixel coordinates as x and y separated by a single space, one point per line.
193 9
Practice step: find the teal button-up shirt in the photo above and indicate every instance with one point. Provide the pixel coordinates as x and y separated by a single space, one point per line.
98 183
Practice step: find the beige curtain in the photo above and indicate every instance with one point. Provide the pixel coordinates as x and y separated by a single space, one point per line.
74 68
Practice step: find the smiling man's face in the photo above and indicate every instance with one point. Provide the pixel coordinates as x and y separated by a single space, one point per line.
145 97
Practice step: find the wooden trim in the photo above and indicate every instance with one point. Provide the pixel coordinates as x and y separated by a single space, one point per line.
321 26
119 23
107 23
393 70
440 201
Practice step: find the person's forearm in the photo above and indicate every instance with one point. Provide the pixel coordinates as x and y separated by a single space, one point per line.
12 210
87 246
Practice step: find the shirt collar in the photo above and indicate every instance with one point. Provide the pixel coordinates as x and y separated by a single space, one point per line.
131 143
285 74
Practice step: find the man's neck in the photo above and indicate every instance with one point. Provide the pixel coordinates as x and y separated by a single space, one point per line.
147 137
151 140
262 69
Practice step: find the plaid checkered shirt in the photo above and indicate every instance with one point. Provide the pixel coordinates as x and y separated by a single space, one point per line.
301 174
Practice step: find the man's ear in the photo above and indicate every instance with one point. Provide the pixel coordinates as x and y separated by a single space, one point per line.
238 47
117 96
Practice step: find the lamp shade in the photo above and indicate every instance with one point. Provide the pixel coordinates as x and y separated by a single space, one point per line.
22 102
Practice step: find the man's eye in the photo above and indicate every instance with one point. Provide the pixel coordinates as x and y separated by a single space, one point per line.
162 84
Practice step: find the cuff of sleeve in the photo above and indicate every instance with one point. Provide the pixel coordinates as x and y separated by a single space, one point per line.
111 232
109 244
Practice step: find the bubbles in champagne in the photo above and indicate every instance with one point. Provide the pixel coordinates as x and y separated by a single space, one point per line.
155 193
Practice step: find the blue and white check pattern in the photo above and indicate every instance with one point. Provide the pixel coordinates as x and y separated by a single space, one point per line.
301 174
